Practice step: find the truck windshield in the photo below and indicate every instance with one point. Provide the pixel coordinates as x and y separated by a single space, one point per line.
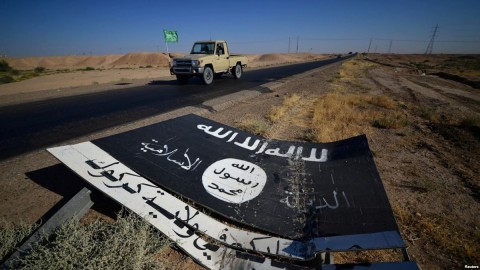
203 48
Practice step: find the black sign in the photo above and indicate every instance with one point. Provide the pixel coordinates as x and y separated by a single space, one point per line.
292 189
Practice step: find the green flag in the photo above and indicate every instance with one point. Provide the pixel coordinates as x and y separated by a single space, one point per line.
170 36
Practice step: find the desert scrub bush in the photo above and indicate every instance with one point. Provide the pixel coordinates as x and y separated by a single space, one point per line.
12 235
255 126
127 243
310 135
278 112
86 69
422 66
15 72
4 66
7 73
391 121
6 79
383 101
470 122
334 78
39 69
28 75
435 115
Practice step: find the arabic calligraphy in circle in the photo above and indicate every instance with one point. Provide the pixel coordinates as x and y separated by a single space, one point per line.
234 180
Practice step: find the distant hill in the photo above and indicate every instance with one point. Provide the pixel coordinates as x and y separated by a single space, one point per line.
155 59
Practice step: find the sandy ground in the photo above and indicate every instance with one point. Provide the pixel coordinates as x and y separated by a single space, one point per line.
436 218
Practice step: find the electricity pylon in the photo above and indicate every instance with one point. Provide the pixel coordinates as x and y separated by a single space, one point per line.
432 40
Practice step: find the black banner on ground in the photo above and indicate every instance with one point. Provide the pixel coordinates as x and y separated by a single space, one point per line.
292 189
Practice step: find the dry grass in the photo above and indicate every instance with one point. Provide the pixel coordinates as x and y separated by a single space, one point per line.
470 121
127 243
351 70
277 113
344 114
383 102
368 256
461 245
339 116
256 126
12 235
430 114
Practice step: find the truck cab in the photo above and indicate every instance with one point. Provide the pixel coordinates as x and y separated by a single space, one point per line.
208 59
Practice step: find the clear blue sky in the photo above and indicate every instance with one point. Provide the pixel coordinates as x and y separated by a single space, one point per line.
48 27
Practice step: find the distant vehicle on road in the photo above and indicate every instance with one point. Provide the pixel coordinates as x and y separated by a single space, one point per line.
208 59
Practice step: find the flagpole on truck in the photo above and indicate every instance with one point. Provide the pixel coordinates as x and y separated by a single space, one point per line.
168 55
169 36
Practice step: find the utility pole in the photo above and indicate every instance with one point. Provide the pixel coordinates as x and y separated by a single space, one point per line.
368 51
288 44
432 40
390 46
297 43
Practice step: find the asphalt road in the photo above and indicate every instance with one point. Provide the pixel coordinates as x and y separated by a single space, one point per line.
31 126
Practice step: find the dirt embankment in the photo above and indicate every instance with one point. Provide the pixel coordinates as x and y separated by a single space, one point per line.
102 61
138 59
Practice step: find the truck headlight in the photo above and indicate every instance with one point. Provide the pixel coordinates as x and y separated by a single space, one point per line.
174 62
196 63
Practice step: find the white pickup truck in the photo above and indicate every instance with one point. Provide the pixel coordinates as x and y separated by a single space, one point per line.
208 59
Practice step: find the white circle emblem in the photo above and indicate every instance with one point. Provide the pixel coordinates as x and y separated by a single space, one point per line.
234 180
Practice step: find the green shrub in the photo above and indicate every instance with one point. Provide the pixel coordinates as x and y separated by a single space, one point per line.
15 72
28 75
86 69
39 69
6 79
4 66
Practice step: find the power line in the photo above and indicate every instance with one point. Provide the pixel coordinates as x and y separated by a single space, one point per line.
432 40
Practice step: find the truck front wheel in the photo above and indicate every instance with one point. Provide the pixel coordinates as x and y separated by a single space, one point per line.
207 75
237 71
